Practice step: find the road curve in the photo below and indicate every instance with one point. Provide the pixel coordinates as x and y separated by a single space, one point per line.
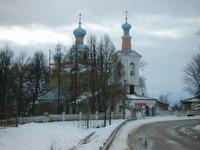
168 135
121 139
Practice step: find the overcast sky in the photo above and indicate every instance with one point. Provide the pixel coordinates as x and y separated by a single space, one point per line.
163 31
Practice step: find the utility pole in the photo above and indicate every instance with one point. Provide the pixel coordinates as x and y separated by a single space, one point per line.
58 63
93 77
94 49
102 81
124 100
49 64
74 75
88 107
76 70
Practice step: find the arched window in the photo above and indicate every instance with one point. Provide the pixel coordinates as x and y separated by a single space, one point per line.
132 69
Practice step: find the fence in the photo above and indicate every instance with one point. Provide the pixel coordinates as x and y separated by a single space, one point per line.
178 113
77 117
63 117
165 113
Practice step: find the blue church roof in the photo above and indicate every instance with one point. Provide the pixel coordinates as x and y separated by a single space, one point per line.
52 95
126 26
79 46
79 32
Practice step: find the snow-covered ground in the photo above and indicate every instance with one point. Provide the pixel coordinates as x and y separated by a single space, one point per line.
54 136
69 134
120 142
197 127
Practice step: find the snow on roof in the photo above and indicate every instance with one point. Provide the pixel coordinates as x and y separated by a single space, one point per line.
82 68
85 96
133 52
137 97
192 99
52 95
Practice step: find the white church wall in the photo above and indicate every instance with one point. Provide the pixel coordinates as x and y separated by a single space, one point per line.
127 114
126 60
138 90
133 79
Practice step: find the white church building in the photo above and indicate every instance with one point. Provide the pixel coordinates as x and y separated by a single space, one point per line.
130 60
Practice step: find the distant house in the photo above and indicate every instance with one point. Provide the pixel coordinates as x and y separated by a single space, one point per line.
160 106
143 104
192 103
146 105
48 102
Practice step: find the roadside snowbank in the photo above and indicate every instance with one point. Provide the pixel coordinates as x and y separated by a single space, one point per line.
120 142
197 127
55 135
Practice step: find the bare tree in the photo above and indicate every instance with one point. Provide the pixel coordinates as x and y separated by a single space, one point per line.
142 79
192 75
109 76
142 85
142 64
93 84
6 59
164 98
19 71
117 91
38 77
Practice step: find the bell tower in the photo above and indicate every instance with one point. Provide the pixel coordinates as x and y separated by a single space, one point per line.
126 38
130 60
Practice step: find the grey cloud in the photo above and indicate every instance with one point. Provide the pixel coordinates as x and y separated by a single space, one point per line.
165 55
52 12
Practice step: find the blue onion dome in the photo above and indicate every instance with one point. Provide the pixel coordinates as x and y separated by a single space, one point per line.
79 32
126 26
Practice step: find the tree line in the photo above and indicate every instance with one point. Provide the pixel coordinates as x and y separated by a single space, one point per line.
192 74
24 78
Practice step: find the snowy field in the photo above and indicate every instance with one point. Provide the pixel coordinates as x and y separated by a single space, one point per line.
69 135
120 141
55 136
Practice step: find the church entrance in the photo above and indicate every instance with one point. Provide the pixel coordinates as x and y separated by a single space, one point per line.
132 89
146 110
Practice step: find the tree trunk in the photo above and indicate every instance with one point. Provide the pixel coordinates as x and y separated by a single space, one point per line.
110 115
104 123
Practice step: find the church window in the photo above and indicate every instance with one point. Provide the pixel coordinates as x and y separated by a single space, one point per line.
85 56
132 69
132 89
120 108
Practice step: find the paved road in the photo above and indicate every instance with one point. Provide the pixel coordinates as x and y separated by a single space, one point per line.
170 135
